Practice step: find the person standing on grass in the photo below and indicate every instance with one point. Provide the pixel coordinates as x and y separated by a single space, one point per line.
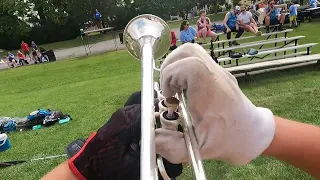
247 22
34 45
230 23
204 28
98 19
293 14
25 49
187 33
273 17
22 58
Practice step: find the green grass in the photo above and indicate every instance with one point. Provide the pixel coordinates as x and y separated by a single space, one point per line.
90 89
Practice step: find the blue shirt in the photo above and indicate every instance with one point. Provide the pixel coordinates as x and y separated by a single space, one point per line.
232 20
293 10
313 3
274 14
188 35
98 16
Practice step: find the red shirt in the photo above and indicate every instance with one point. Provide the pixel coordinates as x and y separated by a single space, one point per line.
173 38
21 56
25 47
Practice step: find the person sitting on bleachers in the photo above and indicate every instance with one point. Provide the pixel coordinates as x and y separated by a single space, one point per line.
273 17
247 22
204 27
231 24
313 3
173 44
187 33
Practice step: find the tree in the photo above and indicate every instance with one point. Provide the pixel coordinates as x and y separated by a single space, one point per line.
12 26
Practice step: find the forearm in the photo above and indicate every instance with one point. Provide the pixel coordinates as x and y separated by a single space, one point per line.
297 144
61 172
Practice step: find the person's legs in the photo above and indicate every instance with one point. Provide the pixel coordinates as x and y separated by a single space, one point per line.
249 28
291 19
267 23
212 35
228 34
203 34
281 19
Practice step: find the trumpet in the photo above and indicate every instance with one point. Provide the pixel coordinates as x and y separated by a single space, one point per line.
148 38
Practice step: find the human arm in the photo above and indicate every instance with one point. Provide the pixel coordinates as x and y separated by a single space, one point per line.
297 144
268 12
226 17
200 23
225 130
61 172
182 37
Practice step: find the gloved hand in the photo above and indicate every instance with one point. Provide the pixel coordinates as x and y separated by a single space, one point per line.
114 151
227 125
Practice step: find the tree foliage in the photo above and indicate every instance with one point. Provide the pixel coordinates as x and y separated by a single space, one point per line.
32 18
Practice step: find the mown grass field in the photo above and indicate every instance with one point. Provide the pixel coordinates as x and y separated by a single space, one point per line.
90 89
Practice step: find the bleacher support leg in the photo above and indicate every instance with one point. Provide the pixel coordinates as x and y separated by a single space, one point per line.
237 63
275 44
308 50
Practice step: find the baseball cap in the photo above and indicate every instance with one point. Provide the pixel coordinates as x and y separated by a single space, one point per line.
237 8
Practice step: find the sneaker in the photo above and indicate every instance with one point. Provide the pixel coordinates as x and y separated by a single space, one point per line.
258 33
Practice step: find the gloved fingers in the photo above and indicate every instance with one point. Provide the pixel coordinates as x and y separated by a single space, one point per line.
171 145
189 50
183 74
125 123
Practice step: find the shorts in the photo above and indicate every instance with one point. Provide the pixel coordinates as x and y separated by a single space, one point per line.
209 33
274 21
293 18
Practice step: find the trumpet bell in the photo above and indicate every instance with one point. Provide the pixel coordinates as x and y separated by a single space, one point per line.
146 29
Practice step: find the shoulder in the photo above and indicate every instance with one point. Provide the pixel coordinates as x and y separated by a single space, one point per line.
249 13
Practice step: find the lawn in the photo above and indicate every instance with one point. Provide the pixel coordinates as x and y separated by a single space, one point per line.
90 89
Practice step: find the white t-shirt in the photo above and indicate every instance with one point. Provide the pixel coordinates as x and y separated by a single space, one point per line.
245 17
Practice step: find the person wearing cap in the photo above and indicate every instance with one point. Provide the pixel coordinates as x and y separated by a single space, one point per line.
187 33
273 17
231 24
247 22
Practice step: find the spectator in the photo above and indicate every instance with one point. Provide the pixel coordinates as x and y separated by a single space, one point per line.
187 33
34 45
25 49
35 55
313 3
173 44
22 58
11 58
231 24
273 17
247 22
293 14
204 27
97 17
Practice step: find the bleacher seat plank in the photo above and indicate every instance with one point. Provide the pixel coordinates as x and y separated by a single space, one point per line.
272 64
258 43
270 51
249 37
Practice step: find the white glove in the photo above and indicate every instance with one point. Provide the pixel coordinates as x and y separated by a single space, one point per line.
228 126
